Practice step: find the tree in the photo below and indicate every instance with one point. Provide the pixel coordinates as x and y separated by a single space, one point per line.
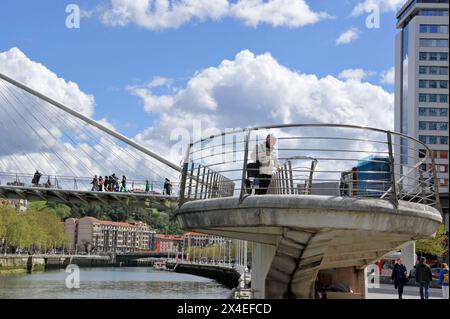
436 246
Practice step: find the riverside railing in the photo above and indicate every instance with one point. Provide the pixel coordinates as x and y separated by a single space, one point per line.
313 159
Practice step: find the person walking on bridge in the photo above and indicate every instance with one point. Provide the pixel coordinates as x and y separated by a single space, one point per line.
36 178
123 184
423 277
266 154
399 277
167 187
94 184
101 182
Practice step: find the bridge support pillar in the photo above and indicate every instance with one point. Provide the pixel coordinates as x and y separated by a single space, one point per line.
409 255
261 262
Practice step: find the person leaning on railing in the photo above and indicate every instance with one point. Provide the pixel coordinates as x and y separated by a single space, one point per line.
267 156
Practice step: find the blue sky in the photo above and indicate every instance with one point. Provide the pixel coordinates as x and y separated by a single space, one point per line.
104 60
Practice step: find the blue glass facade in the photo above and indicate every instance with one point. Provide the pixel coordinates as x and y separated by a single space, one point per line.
373 176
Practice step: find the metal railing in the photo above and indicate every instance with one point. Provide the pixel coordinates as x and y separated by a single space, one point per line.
83 183
321 159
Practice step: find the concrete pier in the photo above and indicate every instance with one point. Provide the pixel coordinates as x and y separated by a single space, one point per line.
301 240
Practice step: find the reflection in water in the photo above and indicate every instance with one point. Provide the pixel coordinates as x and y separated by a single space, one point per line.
107 283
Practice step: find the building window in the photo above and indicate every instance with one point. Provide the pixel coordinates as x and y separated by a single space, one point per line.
443 84
432 84
433 28
432 112
422 153
443 154
422 97
423 139
422 69
433 13
432 139
443 70
434 43
443 140
432 97
422 111
422 56
443 56
422 125
443 98
432 126
422 84
443 126
433 70
443 112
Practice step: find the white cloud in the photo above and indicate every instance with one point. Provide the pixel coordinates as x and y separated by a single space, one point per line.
388 77
14 63
37 135
257 90
354 74
287 13
383 5
348 36
163 14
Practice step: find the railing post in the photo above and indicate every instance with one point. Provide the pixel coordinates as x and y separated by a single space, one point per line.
310 178
291 178
394 195
190 180
423 187
184 173
436 186
244 167
285 180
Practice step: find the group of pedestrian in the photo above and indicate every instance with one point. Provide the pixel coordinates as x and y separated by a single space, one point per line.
423 277
109 184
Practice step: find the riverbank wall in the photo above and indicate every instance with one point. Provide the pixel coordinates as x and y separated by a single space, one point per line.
10 265
226 276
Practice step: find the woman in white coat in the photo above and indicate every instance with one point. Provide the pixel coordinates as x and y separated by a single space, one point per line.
266 154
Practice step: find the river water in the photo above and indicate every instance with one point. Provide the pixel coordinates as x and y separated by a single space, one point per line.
112 283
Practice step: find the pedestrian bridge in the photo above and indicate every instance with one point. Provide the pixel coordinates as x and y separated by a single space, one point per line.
338 198
79 190
342 197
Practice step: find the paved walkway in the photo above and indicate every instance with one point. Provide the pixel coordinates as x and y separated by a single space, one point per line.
410 292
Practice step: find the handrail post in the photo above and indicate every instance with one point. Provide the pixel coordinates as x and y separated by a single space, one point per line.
423 187
244 167
184 175
291 178
310 178
394 195
436 186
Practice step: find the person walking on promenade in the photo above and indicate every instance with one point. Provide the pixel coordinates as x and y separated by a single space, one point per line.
443 280
123 186
94 184
266 154
147 186
399 277
423 277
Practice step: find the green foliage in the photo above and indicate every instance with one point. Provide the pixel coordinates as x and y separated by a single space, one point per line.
60 210
37 228
435 246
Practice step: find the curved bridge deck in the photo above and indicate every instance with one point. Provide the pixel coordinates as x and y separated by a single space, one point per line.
302 234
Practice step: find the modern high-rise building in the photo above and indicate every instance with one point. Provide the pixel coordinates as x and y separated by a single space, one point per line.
421 83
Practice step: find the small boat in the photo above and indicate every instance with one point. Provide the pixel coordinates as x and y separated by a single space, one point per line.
242 293
159 265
